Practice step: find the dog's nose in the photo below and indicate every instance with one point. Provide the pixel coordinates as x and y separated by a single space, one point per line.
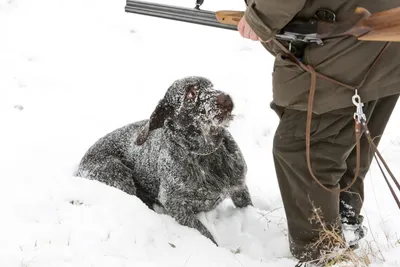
225 101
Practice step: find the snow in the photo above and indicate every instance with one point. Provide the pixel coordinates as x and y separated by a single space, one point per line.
72 71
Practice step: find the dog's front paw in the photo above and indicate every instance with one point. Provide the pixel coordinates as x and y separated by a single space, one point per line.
241 198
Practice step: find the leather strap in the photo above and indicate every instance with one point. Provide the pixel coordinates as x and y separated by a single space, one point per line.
368 135
357 127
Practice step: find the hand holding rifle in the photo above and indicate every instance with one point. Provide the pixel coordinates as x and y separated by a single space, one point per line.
380 26
246 31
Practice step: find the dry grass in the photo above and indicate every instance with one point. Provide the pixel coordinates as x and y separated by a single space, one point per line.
333 247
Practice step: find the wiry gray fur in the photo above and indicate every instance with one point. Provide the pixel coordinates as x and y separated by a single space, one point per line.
183 158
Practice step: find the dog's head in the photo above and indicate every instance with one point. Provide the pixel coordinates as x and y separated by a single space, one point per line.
193 111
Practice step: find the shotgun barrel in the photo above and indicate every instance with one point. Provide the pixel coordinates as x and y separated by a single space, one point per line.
304 31
190 15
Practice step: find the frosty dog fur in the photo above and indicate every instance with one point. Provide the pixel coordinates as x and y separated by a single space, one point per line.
183 158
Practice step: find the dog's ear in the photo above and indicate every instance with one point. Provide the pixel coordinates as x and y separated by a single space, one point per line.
163 111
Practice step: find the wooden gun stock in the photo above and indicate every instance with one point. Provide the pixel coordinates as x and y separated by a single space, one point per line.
383 26
380 26
229 17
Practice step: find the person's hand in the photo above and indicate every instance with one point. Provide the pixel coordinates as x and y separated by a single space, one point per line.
245 30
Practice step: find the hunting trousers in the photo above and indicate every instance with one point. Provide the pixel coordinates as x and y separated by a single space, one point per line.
333 161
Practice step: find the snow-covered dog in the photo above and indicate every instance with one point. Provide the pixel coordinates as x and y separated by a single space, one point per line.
183 158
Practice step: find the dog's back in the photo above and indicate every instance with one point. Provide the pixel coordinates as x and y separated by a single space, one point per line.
117 161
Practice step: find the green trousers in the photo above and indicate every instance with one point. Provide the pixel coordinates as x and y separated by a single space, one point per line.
333 160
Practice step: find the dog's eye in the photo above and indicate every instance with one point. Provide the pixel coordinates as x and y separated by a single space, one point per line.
191 94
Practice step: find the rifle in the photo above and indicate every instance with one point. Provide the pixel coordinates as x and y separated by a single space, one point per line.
380 26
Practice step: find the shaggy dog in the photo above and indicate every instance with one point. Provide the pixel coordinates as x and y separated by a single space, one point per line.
183 158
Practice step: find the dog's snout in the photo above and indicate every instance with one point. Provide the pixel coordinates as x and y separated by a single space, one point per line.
225 101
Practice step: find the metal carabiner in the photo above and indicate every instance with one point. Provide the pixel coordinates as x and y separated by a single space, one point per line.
198 4
359 114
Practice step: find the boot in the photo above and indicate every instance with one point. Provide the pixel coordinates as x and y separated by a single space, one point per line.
353 230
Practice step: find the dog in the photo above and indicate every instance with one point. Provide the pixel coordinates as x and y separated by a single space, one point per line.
182 158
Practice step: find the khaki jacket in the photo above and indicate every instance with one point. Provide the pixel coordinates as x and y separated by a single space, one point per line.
344 59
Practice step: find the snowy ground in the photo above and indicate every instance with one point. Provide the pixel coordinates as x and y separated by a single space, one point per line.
72 71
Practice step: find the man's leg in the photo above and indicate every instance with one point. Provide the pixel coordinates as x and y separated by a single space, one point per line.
378 114
332 140
332 153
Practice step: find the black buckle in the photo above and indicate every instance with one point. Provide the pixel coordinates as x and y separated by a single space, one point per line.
297 48
325 14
